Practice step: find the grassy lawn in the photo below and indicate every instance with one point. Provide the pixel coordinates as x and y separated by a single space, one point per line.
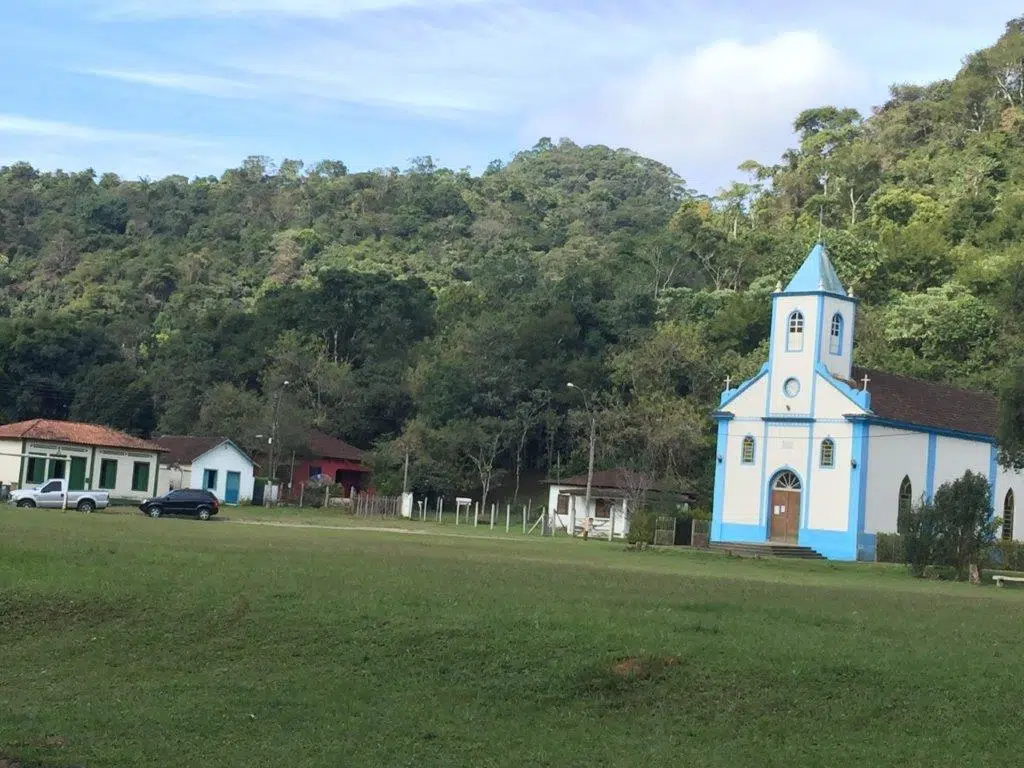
133 642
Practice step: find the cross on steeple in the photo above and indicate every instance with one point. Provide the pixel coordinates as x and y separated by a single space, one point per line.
728 382
865 380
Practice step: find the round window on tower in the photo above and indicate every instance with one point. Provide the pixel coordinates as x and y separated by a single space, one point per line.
791 387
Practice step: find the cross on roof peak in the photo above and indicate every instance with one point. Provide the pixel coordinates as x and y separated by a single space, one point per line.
728 382
865 380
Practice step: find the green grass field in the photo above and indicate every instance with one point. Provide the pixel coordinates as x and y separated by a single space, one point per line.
132 642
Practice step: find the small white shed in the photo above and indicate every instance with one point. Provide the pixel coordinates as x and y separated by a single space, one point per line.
215 464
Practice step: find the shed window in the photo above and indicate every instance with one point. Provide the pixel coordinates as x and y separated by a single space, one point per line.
108 474
140 476
795 333
748 450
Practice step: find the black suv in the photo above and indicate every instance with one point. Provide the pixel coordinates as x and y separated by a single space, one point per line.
187 501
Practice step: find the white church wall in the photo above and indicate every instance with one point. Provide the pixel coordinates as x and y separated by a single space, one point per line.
839 364
1007 480
750 402
798 364
954 456
742 481
829 507
892 454
830 403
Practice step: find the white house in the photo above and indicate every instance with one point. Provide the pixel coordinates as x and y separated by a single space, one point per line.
88 456
609 502
214 464
815 452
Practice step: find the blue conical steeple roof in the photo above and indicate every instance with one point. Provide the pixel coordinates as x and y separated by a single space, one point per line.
816 274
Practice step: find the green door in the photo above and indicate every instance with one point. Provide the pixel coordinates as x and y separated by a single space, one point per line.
76 480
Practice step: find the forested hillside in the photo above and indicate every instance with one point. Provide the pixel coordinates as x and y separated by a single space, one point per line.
444 313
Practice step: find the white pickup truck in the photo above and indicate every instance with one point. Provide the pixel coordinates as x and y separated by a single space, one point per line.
54 494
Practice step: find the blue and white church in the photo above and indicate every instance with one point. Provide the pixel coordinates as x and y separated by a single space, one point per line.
815 452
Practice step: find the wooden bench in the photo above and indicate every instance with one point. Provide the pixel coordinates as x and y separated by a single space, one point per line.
1000 579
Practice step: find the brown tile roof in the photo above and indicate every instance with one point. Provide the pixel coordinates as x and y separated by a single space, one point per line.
76 433
184 449
930 404
324 446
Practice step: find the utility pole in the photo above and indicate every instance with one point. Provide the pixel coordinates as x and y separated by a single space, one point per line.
593 435
273 433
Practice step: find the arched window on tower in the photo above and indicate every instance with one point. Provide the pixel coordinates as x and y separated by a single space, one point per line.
747 456
795 332
835 339
1008 516
828 453
906 501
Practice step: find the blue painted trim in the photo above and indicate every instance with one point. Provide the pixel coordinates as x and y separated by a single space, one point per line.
866 547
821 451
779 418
789 333
977 436
858 491
835 545
729 395
739 533
992 456
721 463
859 397
753 452
929 476
722 416
833 294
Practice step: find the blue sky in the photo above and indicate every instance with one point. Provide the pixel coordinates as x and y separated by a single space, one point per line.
153 87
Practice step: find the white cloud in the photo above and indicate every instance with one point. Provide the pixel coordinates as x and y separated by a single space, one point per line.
18 125
719 105
49 145
203 84
498 61
310 9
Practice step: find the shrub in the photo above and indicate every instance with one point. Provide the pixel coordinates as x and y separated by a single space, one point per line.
642 525
889 548
954 531
1008 555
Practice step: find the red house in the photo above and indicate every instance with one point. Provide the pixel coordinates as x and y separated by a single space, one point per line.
335 460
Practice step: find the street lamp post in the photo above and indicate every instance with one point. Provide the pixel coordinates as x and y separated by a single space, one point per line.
590 462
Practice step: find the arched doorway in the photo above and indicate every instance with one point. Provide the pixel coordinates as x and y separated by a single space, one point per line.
784 520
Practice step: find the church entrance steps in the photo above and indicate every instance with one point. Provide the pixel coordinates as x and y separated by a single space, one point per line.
767 550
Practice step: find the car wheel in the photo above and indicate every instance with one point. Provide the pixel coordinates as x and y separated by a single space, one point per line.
203 513
86 505
155 512
26 503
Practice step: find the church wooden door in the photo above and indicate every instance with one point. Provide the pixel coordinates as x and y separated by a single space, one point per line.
785 508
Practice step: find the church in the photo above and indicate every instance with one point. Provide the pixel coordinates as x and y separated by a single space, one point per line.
815 452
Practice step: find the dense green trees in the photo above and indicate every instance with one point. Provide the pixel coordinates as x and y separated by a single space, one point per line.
443 313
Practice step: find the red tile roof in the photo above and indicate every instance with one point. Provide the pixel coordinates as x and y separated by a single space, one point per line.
930 404
324 446
76 433
184 449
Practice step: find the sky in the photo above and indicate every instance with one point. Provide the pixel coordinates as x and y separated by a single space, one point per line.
147 88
